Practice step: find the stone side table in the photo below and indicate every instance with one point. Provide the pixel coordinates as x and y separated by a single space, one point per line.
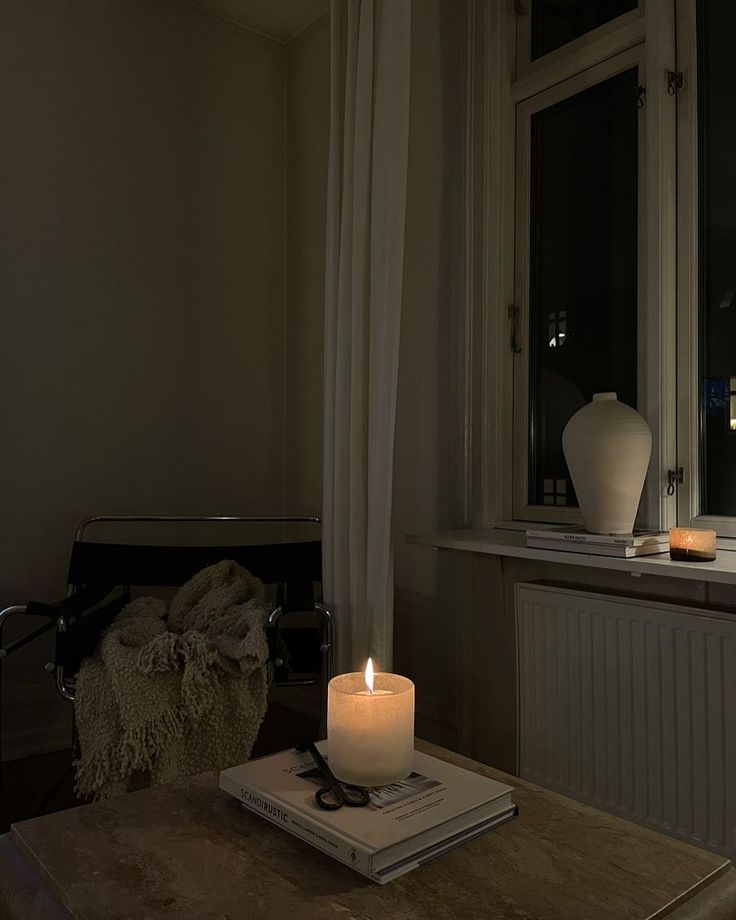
190 852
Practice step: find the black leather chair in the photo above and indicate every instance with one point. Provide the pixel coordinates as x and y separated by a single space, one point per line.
102 575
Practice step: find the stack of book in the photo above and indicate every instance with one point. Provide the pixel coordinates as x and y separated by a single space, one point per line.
578 540
436 808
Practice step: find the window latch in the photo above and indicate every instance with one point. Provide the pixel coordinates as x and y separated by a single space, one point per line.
675 81
641 96
513 315
674 478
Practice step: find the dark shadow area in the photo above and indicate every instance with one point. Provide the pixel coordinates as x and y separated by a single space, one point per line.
41 785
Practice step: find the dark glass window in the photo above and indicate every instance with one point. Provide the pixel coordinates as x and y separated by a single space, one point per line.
557 22
717 223
583 268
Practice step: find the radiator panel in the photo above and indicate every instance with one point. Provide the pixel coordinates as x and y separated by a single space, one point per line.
630 705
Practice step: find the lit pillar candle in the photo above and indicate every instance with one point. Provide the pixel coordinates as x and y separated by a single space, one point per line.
688 544
370 727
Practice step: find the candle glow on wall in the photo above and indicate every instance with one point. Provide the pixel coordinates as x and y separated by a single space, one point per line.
370 727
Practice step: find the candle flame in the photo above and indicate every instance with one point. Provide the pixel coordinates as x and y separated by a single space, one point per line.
369 675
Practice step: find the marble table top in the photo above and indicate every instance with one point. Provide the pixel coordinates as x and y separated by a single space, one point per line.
189 851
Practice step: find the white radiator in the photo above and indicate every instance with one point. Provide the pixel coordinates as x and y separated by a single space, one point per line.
630 705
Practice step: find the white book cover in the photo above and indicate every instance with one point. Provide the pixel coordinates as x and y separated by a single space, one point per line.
640 538
438 806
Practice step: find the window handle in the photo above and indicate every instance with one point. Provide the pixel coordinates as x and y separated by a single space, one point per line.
674 478
513 315
675 81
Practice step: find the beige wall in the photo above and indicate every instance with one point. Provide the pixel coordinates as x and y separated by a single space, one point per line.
142 288
308 107
141 271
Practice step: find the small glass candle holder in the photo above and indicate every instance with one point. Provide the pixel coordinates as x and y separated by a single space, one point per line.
688 544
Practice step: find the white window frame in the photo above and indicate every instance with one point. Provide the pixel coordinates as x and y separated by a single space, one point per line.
579 54
593 76
650 37
688 282
688 495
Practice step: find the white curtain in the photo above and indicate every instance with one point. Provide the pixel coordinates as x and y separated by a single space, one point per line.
369 132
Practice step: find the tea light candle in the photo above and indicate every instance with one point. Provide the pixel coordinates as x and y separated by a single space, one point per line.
370 727
692 545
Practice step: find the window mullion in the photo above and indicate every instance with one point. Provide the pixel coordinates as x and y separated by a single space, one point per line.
688 493
658 236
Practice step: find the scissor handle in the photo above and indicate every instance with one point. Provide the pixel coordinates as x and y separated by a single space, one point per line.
333 785
329 804
353 796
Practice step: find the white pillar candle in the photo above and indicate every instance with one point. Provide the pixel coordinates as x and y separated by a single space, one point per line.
370 727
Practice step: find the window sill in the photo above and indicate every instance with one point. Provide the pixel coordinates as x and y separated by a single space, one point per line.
512 543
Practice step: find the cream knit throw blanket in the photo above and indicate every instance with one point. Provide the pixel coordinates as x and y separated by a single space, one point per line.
173 694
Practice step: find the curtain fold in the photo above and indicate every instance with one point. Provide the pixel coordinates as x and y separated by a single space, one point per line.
366 202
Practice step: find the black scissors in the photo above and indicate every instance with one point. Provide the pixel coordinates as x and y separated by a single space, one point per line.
334 795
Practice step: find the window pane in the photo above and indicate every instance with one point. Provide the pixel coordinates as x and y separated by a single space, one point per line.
557 22
583 268
717 127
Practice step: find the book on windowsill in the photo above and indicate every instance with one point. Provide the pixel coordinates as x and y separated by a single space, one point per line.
598 549
436 808
639 538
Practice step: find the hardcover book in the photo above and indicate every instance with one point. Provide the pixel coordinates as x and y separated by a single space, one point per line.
436 808
598 549
657 541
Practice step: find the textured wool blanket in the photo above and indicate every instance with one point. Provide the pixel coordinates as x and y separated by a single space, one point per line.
171 693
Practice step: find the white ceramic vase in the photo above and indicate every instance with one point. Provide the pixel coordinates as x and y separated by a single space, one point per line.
607 446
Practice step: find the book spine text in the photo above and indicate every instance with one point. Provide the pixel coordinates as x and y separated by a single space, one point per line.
308 829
